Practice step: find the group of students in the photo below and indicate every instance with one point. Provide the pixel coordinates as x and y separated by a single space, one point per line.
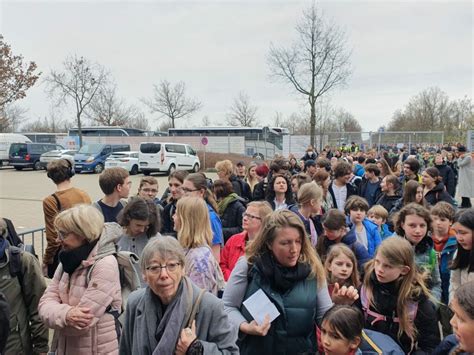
349 267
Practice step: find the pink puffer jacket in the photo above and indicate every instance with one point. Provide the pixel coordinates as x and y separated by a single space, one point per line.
65 292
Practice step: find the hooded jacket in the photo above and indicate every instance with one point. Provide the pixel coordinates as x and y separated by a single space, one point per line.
437 194
103 290
444 259
449 178
387 201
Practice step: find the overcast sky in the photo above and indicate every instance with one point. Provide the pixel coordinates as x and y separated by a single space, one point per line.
219 48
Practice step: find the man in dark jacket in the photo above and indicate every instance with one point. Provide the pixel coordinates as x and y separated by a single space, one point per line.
340 188
447 174
389 187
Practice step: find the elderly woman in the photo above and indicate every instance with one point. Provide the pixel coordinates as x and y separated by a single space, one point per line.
157 317
281 262
78 309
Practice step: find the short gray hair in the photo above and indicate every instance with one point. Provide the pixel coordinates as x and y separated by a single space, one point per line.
166 247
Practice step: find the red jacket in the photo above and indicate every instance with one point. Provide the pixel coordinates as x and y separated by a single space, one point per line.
234 248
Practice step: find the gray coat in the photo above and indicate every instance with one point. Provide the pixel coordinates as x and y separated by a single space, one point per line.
466 176
213 328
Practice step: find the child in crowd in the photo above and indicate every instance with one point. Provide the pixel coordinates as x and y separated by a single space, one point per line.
341 267
413 223
336 231
342 333
367 233
462 268
378 214
395 300
444 239
462 341
309 208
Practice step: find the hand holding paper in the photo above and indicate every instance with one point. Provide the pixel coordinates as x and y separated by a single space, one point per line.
259 306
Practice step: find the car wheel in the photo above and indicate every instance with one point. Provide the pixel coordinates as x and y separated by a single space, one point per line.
196 168
98 168
172 169
134 170
37 165
19 168
146 173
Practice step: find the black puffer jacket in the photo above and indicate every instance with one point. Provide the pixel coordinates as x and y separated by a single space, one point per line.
387 201
449 178
426 321
438 193
232 218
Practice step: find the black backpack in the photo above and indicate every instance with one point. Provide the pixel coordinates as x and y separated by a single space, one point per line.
14 240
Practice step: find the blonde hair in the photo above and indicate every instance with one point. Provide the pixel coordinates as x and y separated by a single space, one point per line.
399 253
83 220
308 192
264 208
378 211
195 224
225 166
334 252
272 224
251 181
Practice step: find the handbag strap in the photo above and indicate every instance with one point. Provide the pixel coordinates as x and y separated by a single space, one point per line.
195 308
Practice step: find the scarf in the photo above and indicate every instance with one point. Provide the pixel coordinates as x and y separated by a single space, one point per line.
172 321
3 247
71 259
281 278
222 204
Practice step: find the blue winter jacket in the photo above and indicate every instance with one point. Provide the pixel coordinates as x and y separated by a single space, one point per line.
359 250
373 235
216 226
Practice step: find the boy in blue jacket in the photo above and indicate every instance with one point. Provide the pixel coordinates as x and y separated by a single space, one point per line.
378 214
366 231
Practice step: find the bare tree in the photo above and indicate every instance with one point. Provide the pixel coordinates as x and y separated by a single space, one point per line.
316 63
108 109
79 81
206 121
170 101
11 115
242 112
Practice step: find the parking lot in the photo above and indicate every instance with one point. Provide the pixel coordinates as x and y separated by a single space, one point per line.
22 192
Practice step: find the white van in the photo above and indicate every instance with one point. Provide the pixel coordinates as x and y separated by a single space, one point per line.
167 157
6 140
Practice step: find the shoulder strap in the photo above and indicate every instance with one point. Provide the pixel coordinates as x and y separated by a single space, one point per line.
371 343
195 308
14 263
58 203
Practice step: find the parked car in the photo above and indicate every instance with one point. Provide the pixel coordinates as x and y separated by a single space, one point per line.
57 154
27 155
126 160
6 139
91 157
167 157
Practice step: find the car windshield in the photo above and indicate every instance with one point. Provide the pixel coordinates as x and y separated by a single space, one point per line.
91 149
119 155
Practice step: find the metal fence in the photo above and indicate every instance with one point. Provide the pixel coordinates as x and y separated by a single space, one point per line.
35 237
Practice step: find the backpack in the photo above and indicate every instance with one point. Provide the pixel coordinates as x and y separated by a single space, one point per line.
412 310
14 240
129 282
15 264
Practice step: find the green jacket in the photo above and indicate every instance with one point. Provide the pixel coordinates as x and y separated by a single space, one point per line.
28 334
293 331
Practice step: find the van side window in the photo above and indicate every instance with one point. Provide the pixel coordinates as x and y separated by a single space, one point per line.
150 148
176 148
191 151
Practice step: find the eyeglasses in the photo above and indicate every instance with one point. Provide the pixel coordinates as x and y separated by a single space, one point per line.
186 190
147 190
248 215
156 269
62 235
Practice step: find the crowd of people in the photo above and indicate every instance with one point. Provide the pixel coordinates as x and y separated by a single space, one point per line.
337 252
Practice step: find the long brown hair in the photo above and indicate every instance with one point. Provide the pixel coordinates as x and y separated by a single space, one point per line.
399 253
334 252
272 224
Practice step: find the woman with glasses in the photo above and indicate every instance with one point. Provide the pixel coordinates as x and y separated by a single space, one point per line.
197 185
140 221
281 262
159 319
230 207
191 222
251 223
80 312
